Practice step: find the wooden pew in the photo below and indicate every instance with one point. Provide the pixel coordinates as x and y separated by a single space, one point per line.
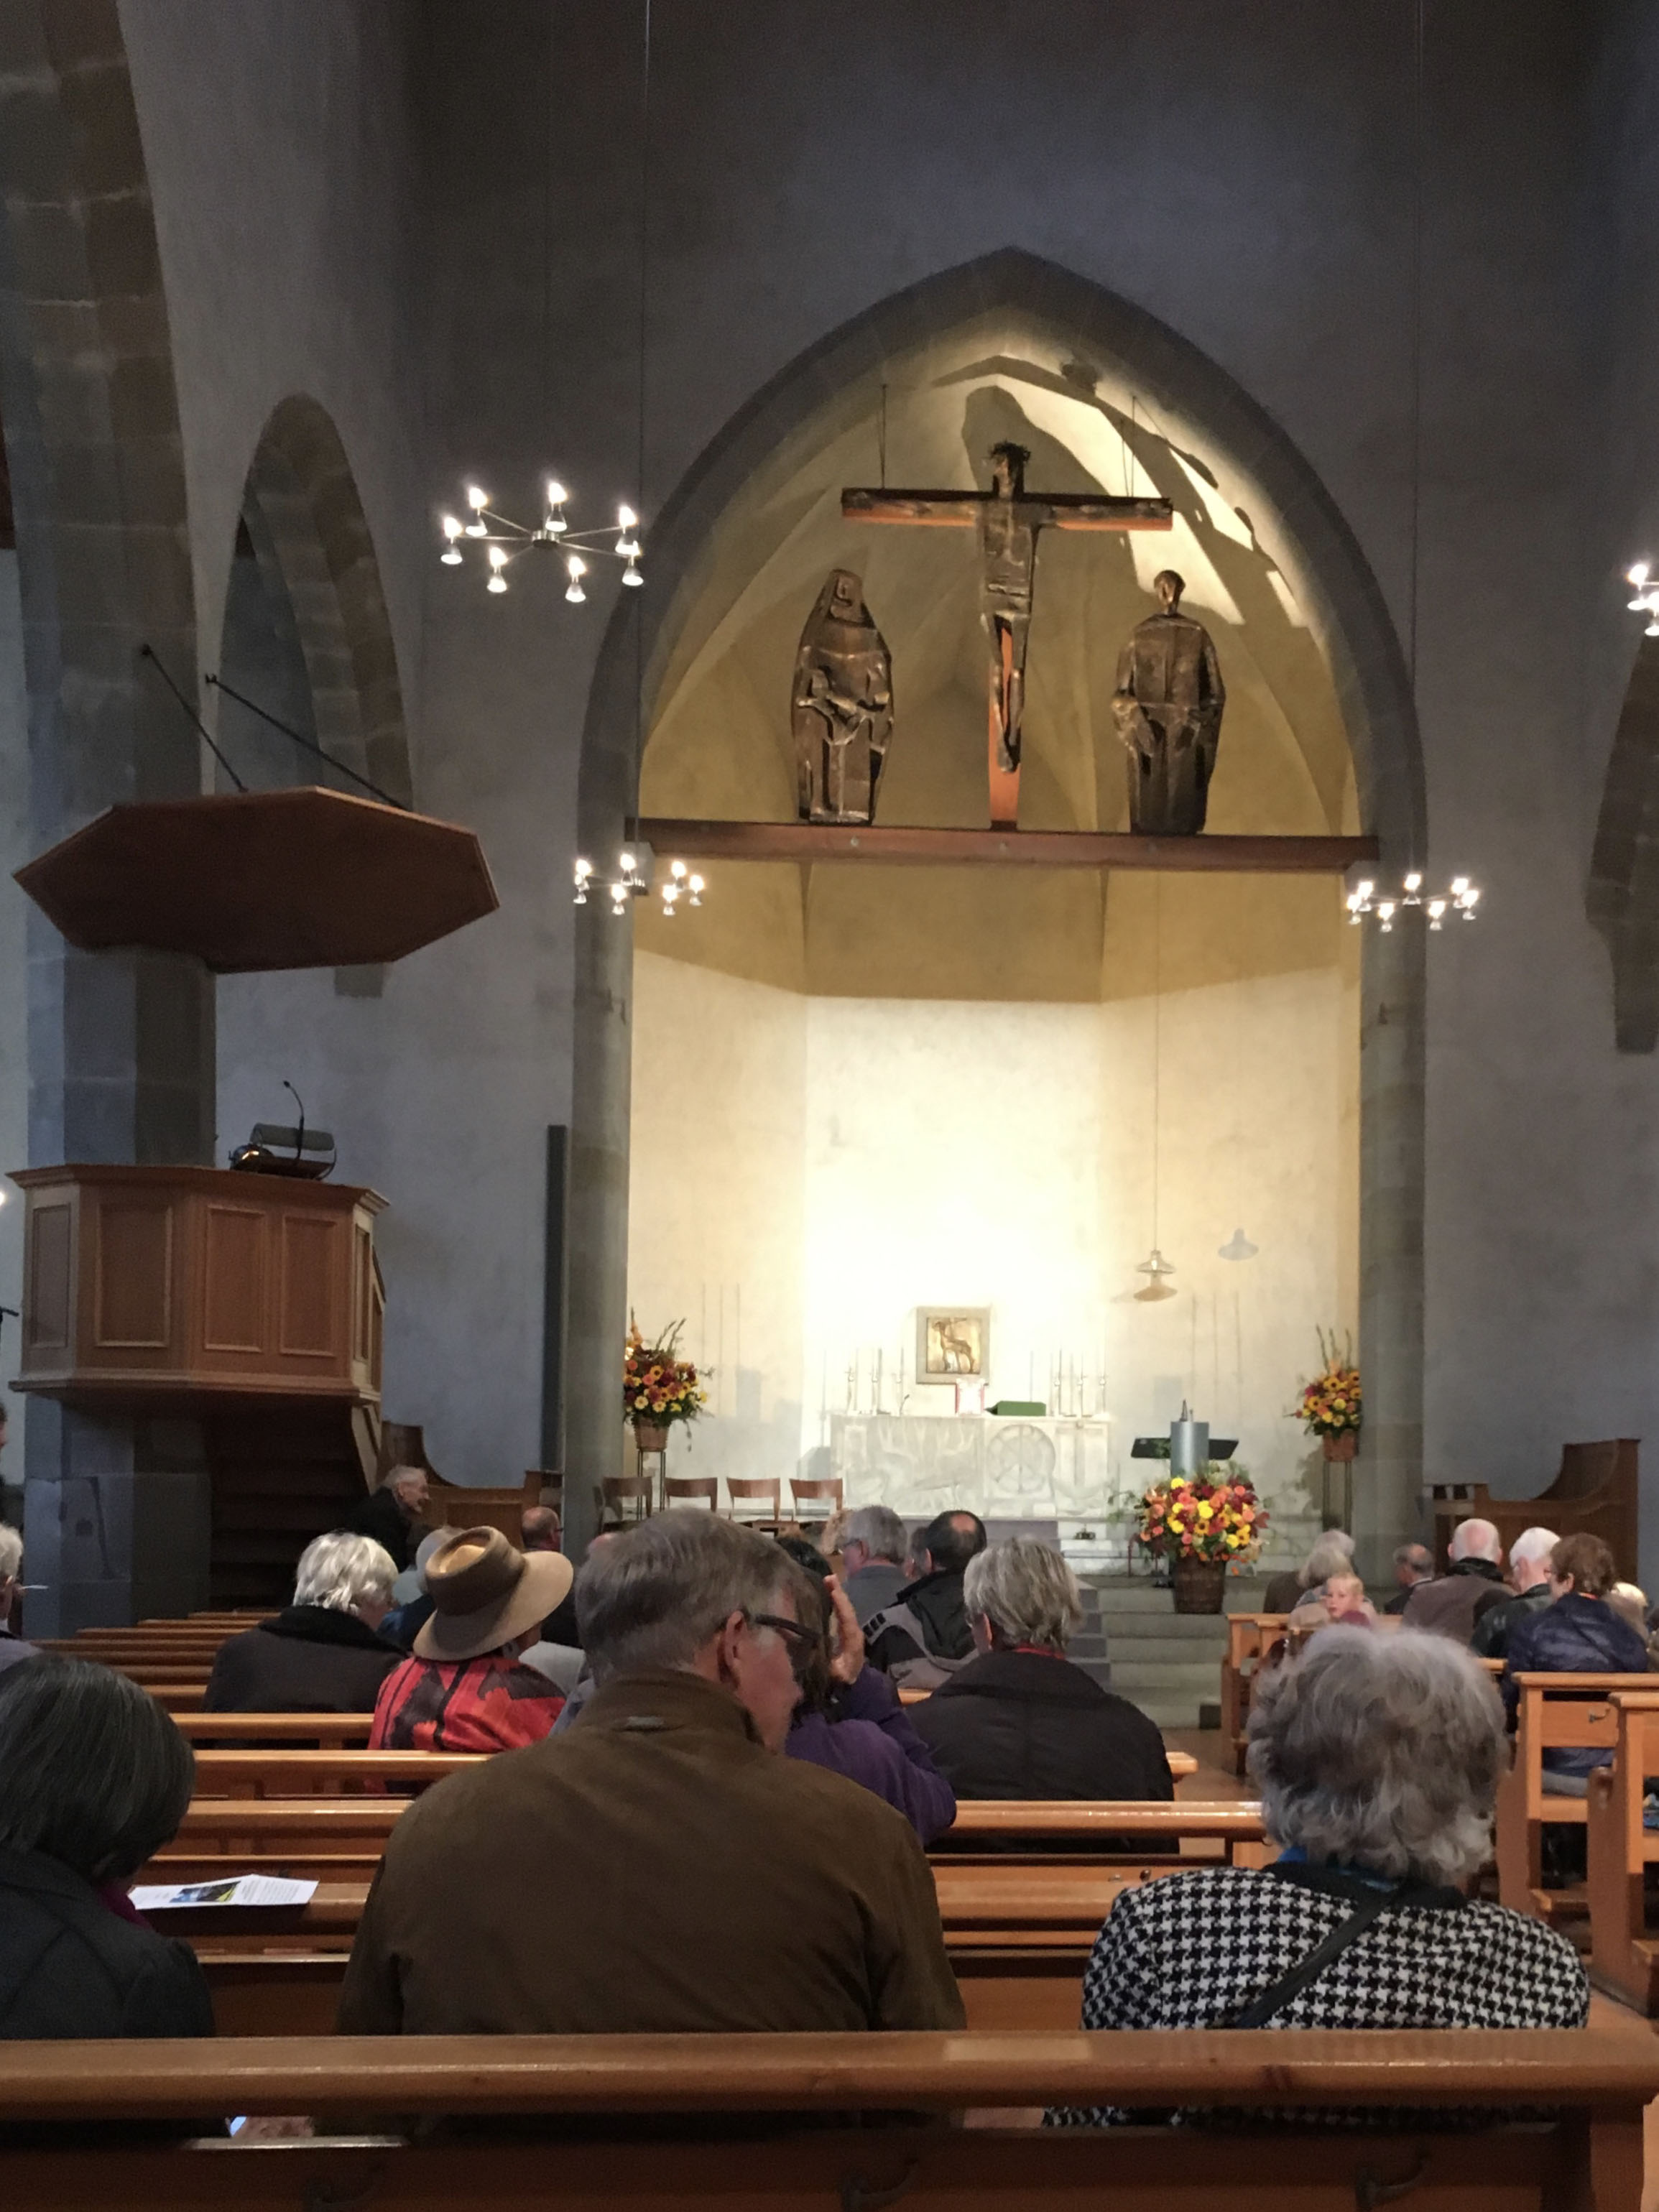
1555 1713
332 1731
1585 2154
1624 1958
281 1771
1250 1636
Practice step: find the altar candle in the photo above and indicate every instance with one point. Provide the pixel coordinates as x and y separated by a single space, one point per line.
877 1382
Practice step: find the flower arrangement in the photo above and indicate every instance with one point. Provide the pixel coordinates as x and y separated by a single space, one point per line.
659 1387
1332 1405
1213 1514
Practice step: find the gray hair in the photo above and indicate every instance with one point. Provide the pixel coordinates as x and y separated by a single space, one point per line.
1332 1554
343 1572
880 1531
1381 1752
1533 1544
1476 1540
11 1551
97 1776
654 1595
1025 1590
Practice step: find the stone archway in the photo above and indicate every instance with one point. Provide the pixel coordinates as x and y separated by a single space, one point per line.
121 1045
310 539
1330 577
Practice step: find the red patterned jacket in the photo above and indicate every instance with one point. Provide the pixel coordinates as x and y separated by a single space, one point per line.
491 1703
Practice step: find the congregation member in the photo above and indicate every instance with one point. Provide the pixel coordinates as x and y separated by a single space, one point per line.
923 1635
540 1531
1377 1758
96 1778
1339 1597
391 1514
1578 1632
872 1548
1453 1603
464 1686
1020 1720
1332 1554
1529 1579
1412 1564
326 1652
850 1718
711 1884
12 1646
412 1607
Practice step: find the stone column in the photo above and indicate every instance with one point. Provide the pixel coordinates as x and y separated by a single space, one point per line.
1388 1473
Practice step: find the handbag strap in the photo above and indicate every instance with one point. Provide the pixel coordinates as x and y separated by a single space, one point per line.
1261 2009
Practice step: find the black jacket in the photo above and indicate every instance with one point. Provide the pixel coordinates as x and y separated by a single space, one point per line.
1029 1724
937 1601
307 1660
1493 1632
381 1516
70 1966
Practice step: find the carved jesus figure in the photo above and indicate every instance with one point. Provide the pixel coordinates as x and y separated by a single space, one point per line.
1168 710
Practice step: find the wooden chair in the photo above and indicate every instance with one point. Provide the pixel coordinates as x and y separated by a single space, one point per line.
1250 1636
815 1496
624 1500
764 1489
1576 2098
680 1489
1624 1958
1555 1713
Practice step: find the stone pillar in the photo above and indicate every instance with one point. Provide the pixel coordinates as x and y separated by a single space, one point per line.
1388 1473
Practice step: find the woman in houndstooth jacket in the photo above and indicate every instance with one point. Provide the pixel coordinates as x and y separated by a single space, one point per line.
1377 1758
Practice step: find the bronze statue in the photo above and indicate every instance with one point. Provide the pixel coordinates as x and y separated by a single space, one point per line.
842 708
1168 710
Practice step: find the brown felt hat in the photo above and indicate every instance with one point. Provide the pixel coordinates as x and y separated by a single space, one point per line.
486 1592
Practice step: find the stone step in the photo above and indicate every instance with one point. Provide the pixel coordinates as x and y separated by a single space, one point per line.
1129 1675
1164 1711
1168 1628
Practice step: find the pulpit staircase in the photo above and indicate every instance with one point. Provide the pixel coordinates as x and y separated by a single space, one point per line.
1169 1663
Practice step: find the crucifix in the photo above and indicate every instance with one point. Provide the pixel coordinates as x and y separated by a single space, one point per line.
1009 518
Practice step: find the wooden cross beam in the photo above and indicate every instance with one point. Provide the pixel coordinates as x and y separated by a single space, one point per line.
1008 519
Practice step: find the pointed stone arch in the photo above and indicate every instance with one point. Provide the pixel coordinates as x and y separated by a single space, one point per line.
1332 579
312 540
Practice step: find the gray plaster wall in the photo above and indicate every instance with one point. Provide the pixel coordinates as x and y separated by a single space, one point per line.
1245 172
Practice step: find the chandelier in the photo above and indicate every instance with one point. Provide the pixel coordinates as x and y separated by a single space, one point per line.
1367 896
503 540
1646 601
636 870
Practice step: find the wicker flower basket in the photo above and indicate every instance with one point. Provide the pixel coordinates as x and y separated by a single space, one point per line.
1200 1585
650 1435
1341 1446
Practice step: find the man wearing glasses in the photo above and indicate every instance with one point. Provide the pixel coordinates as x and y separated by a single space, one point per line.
678 1875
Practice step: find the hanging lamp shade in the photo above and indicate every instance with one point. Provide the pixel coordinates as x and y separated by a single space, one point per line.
1237 1247
264 879
1156 1268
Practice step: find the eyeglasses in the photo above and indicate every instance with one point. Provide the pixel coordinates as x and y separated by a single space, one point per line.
801 1641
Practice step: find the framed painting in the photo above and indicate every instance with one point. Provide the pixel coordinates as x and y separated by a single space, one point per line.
953 1344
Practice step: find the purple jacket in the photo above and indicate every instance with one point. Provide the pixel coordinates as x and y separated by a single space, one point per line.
867 1738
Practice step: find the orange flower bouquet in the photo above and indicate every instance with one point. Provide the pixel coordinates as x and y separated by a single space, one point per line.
659 1387
1213 1514
1332 1405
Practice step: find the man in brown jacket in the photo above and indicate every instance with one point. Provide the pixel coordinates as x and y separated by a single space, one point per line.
1452 1604
659 1867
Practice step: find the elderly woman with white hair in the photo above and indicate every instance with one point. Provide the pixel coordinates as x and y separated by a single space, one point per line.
12 1646
1377 1758
1019 1720
325 1653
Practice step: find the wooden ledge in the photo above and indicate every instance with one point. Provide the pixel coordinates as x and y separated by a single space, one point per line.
327 2075
671 838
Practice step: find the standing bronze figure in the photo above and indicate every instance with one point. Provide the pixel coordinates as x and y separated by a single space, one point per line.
842 707
1168 710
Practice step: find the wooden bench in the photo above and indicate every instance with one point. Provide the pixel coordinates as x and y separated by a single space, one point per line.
336 1731
1554 1712
1250 1636
1586 2155
1624 1958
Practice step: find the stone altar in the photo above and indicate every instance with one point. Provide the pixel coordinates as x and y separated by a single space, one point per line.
1002 1469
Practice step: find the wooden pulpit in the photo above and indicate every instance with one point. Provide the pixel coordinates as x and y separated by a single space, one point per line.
150 1286
1596 1493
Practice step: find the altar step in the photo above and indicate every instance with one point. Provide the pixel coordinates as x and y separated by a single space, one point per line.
1169 1663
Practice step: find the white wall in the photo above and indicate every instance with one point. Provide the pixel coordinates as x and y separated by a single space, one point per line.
827 1165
